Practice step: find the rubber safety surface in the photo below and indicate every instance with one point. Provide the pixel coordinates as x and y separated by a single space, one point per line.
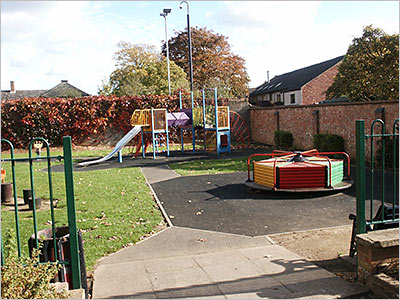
223 203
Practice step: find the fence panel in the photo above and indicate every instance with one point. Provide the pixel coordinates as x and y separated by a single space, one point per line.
38 143
361 187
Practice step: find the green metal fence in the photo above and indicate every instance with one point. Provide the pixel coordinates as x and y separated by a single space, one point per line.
361 187
74 261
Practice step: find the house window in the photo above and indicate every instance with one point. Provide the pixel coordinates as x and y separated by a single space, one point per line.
278 98
292 99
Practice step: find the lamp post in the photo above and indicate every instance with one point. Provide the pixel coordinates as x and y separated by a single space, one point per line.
164 14
190 45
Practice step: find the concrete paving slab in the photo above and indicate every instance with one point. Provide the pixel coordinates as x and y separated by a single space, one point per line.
193 292
252 288
177 241
233 271
121 278
297 279
232 267
179 279
169 264
219 258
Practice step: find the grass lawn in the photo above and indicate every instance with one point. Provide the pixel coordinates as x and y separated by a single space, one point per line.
214 166
211 166
114 207
90 151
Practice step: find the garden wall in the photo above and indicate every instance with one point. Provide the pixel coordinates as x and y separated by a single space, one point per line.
241 106
307 120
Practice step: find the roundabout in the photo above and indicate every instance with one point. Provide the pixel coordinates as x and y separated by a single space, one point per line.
299 172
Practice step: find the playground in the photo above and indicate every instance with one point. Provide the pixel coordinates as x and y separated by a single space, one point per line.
222 203
152 127
286 196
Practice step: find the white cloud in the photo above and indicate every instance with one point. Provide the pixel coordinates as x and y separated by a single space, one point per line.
269 35
281 36
45 42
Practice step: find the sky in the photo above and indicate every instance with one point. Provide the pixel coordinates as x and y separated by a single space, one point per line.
44 42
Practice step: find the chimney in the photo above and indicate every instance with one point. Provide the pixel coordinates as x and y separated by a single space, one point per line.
64 81
12 87
267 76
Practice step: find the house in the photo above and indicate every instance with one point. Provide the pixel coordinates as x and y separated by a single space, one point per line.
300 87
61 90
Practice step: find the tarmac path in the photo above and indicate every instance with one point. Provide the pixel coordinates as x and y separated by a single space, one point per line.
222 203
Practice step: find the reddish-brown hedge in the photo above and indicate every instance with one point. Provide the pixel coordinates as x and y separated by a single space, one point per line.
81 118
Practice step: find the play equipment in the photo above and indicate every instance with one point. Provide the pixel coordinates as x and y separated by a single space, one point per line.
38 145
153 121
118 147
153 124
305 171
212 119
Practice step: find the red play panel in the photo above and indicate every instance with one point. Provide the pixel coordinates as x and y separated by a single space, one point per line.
301 175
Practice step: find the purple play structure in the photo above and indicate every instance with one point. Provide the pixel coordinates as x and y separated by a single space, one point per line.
178 119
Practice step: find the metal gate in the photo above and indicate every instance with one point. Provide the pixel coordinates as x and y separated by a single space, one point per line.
74 261
385 140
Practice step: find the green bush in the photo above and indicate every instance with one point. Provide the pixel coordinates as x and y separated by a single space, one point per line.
326 142
283 139
26 278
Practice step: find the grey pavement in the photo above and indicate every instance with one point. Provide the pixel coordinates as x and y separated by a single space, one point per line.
159 173
183 262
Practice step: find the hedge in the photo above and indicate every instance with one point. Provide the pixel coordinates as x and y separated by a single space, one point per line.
283 139
326 142
85 119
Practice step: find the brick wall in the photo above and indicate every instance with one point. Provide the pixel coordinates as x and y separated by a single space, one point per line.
378 251
302 121
241 106
314 91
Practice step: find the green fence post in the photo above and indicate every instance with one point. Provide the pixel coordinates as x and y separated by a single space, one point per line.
14 180
395 139
73 233
360 176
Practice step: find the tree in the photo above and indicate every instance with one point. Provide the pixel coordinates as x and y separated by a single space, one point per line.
370 68
141 70
214 64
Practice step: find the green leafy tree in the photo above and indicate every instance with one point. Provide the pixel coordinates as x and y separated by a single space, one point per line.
214 64
370 68
142 71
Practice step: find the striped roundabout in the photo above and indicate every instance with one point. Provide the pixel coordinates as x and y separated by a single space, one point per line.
297 171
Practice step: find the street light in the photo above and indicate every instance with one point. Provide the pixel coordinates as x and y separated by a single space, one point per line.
190 45
164 14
